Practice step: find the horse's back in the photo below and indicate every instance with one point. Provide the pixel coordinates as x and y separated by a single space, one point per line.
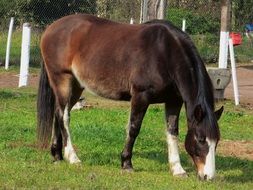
109 58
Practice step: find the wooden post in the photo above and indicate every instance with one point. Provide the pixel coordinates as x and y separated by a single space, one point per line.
153 9
161 9
144 11
224 33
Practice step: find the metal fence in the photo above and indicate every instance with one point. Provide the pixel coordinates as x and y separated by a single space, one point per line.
42 12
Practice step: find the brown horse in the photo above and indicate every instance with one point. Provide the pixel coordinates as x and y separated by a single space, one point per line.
148 63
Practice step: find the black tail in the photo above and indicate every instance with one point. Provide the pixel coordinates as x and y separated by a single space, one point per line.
45 109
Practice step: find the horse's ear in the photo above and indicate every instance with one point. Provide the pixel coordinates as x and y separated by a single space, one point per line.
218 113
198 113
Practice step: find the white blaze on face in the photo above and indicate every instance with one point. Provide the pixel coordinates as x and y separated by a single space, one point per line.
209 167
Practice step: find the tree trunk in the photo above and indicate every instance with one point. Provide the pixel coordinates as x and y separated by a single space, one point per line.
153 9
225 15
224 33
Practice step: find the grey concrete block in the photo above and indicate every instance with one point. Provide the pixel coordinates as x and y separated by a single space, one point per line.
220 79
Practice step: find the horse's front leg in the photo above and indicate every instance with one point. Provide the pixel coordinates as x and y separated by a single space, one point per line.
139 105
172 111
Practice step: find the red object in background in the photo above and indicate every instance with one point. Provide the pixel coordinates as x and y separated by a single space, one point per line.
236 38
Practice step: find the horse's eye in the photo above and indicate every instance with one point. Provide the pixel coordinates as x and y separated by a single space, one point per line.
202 140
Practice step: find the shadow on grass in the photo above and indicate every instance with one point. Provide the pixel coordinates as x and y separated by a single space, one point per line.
230 169
113 160
162 158
225 164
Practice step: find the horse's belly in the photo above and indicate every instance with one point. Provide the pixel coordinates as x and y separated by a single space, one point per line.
108 91
105 88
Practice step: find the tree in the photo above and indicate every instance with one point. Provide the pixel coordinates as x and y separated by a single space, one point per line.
119 10
43 12
153 9
242 13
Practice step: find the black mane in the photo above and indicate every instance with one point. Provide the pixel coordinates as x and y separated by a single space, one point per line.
205 96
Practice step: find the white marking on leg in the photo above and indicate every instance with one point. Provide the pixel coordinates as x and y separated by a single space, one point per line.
53 138
69 152
173 155
209 167
128 126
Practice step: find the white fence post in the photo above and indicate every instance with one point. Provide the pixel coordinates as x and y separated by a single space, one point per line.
7 57
223 55
25 54
183 25
132 21
234 76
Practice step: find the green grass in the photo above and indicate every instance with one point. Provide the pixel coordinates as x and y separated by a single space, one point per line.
208 47
98 135
243 52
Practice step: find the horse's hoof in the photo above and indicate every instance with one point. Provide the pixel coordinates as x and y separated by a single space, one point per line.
72 158
75 161
57 162
127 170
181 175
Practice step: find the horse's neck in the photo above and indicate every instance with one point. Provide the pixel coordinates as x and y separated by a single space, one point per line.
188 89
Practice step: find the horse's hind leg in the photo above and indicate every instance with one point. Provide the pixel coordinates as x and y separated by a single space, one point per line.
69 152
139 105
67 93
172 110
56 147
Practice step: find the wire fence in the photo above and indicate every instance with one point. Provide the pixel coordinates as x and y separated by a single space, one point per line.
202 19
202 13
40 13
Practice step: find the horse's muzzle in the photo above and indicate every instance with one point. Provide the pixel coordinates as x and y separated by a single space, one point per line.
205 177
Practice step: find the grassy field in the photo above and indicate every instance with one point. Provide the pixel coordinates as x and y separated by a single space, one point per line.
98 134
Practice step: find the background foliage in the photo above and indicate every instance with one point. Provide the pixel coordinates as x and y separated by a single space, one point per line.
202 21
204 14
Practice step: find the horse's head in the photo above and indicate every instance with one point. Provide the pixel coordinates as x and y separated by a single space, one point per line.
201 140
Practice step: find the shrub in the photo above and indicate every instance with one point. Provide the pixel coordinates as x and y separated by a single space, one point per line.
208 47
196 23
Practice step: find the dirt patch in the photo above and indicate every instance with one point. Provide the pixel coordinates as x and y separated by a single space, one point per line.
239 149
245 85
10 80
244 75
